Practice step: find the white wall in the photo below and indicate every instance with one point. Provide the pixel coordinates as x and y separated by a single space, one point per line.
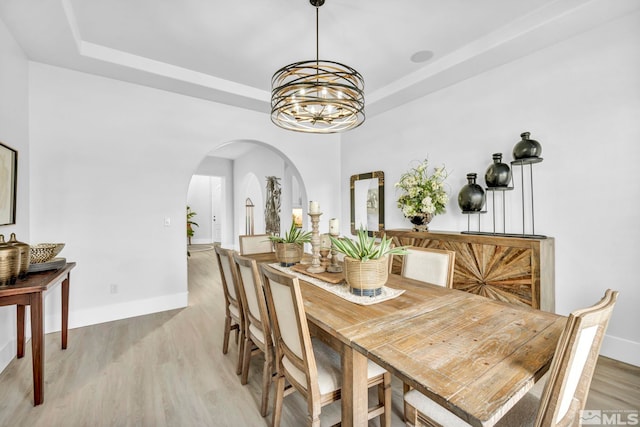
580 99
14 132
110 161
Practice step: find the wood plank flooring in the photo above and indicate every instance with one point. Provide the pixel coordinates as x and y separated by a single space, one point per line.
167 369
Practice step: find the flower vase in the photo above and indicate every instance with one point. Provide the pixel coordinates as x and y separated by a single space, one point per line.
421 222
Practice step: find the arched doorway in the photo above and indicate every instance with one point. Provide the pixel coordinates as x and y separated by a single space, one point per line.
241 168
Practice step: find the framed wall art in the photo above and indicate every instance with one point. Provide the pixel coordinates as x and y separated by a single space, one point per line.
8 178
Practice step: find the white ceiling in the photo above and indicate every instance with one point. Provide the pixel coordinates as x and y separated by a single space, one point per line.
227 51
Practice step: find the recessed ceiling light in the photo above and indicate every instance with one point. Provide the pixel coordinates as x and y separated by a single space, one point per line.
422 56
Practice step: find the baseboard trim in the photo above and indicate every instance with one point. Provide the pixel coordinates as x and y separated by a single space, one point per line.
621 349
125 310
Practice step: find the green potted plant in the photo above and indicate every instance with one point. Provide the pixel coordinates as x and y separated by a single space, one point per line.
289 249
366 261
190 223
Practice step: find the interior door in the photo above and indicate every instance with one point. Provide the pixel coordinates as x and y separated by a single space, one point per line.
216 209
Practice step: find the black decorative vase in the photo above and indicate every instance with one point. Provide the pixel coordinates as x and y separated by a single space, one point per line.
526 148
471 196
498 174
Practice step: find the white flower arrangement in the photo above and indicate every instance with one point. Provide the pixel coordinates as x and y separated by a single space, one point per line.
423 193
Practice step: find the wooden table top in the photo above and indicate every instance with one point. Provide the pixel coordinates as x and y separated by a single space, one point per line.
35 282
473 355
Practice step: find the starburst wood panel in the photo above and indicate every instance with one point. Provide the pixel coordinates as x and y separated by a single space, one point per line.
514 270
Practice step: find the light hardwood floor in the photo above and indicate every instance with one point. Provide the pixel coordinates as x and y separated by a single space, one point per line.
167 369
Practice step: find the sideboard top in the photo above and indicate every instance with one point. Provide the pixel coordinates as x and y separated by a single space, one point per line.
474 238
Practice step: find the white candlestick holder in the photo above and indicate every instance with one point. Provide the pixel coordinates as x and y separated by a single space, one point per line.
315 266
335 267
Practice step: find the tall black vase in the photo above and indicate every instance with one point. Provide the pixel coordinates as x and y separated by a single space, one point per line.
526 148
471 196
498 174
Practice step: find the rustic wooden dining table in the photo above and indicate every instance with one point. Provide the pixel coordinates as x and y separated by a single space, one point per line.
472 355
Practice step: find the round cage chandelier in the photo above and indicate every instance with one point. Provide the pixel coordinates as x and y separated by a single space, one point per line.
317 96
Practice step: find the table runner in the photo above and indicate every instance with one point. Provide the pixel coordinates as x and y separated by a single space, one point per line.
342 290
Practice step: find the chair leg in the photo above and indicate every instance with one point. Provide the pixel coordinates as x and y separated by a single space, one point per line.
246 357
227 331
384 398
277 401
240 353
409 412
266 385
410 415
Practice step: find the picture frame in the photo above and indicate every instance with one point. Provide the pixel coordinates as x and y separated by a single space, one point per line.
8 184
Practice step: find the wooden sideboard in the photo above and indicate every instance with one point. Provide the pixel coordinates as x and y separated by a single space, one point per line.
512 269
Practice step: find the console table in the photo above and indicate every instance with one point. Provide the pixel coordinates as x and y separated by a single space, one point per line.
511 269
31 291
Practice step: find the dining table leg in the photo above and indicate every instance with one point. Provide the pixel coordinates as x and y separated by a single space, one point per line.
355 405
37 346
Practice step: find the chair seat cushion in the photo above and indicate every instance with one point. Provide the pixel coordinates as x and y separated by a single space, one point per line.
523 413
329 370
432 410
234 311
257 333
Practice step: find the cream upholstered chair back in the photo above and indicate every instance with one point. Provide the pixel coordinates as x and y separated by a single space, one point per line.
227 275
311 367
429 265
234 317
572 367
255 244
252 293
257 335
294 349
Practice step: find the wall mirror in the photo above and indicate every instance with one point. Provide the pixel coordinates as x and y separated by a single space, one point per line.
367 202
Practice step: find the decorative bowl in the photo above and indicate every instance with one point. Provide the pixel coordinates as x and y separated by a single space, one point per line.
58 249
42 252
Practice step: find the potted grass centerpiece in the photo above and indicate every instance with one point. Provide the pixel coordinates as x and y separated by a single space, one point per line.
366 262
289 249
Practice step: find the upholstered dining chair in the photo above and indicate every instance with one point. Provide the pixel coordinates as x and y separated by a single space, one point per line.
234 318
255 244
257 335
565 393
309 366
429 265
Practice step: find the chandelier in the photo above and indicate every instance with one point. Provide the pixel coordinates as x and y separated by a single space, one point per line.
317 96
